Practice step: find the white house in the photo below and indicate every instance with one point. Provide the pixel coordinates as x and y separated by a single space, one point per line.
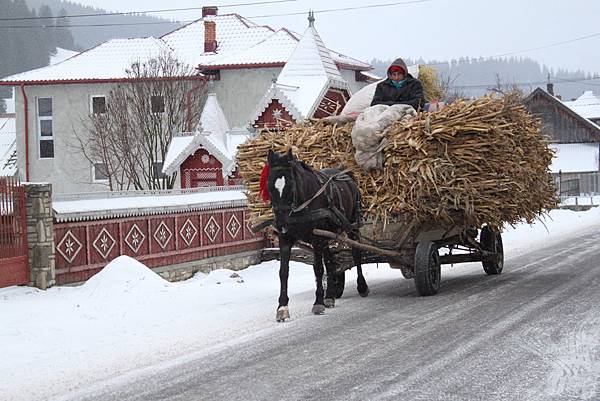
242 59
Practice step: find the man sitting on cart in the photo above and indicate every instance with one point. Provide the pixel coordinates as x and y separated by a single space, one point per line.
400 87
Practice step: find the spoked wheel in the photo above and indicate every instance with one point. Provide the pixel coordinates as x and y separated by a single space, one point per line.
427 268
491 241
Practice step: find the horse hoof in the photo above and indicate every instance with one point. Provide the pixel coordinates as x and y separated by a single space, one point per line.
318 309
283 313
329 302
364 293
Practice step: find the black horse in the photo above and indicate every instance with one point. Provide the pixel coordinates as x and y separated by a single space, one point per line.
299 207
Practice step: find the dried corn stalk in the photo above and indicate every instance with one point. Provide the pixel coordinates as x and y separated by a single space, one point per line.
473 163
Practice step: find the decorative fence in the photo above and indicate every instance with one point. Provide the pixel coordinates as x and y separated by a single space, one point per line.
13 233
188 226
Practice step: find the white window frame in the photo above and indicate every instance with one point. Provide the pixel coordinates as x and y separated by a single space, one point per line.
94 173
39 128
92 104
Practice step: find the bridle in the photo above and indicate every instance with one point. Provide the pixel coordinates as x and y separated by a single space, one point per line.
289 209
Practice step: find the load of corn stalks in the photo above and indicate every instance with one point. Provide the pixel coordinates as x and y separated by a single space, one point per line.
472 163
432 86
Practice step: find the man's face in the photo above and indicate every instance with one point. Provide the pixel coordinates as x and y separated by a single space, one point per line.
396 75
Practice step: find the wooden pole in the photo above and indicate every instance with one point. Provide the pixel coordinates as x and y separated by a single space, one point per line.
356 244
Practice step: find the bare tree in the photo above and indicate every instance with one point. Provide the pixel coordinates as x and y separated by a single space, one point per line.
506 89
451 92
130 135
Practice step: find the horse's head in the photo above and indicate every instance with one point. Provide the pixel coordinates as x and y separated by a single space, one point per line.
282 187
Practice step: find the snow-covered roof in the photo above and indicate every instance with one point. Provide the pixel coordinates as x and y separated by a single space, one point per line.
275 48
8 147
347 61
574 157
61 55
112 205
307 75
233 34
108 60
213 134
240 42
586 105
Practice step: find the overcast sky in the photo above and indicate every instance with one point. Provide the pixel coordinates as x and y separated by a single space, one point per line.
432 29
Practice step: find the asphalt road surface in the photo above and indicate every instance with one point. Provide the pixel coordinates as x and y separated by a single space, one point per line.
531 333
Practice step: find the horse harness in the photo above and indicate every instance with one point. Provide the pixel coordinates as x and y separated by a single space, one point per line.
332 193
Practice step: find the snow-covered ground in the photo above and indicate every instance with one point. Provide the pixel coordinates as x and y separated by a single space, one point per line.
127 317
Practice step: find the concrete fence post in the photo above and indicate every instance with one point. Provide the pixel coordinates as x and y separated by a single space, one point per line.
40 233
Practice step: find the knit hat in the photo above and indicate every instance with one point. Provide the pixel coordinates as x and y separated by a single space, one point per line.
396 68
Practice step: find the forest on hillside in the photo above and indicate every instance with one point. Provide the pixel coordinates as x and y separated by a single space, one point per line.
89 36
30 47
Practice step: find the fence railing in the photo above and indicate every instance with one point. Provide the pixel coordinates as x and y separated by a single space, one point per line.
13 221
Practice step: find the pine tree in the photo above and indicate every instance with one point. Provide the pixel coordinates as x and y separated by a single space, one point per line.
49 38
64 39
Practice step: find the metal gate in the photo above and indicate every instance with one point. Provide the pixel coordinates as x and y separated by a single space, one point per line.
14 262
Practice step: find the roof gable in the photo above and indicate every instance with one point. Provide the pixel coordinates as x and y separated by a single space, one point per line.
532 103
306 77
213 134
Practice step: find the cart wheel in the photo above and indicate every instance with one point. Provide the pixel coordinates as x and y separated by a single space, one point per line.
427 268
491 241
339 280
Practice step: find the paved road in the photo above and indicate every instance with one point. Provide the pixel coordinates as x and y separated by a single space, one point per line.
532 333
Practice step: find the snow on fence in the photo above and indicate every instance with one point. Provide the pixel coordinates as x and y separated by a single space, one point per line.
158 228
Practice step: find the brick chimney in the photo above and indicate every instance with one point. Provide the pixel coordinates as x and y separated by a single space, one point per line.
210 36
209 10
550 88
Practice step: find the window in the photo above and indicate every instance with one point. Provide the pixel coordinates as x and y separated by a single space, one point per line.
98 104
100 172
157 104
45 127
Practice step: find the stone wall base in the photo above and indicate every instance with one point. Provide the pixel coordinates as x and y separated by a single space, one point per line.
184 271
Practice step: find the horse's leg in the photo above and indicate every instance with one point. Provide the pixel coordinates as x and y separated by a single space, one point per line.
285 251
319 306
330 266
362 287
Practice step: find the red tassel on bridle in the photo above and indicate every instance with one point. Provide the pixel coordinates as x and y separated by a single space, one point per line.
264 185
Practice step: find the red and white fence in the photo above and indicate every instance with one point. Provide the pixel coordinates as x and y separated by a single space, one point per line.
180 230
13 233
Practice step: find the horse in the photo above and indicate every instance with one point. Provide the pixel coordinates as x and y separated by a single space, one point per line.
303 199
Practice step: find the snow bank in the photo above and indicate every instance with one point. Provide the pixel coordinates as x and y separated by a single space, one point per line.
124 275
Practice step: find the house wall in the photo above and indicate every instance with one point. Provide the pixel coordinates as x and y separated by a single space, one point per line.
350 77
239 91
68 171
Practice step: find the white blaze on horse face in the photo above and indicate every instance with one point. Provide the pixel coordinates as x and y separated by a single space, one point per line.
280 184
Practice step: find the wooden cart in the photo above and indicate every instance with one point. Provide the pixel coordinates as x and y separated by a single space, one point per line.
418 250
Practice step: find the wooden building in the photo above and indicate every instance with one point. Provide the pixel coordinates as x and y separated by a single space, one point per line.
575 140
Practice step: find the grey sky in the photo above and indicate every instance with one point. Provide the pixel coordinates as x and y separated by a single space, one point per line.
435 29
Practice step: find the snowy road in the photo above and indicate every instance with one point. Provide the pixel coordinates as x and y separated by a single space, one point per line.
532 333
